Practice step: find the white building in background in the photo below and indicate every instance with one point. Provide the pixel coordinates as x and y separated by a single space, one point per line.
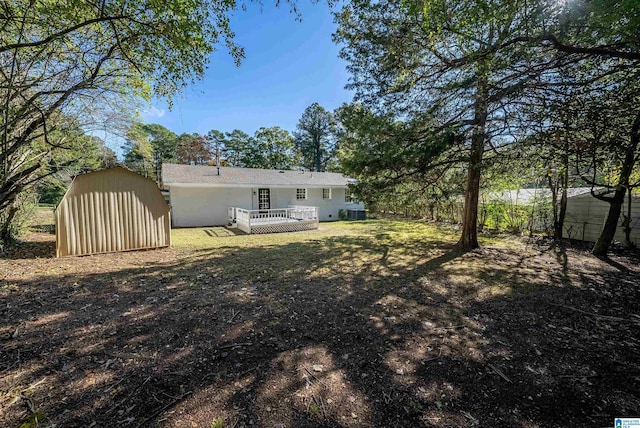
204 195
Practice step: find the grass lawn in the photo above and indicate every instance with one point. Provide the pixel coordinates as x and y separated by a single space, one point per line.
377 323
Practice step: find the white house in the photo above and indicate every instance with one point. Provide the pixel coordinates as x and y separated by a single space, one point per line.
209 196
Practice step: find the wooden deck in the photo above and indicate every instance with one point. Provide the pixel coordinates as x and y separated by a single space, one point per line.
292 219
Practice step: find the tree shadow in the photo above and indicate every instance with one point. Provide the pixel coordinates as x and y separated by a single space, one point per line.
42 247
348 331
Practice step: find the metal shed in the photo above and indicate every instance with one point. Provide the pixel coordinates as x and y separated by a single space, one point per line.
111 210
586 216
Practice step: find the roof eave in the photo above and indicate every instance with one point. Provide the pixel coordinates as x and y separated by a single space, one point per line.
245 185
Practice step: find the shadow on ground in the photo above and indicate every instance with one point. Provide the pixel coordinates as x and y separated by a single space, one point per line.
350 331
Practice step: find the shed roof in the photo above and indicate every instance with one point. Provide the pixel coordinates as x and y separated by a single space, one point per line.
208 175
526 196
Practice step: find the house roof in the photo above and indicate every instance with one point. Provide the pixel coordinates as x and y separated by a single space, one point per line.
526 196
174 174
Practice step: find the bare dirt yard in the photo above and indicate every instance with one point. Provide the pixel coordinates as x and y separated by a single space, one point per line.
365 324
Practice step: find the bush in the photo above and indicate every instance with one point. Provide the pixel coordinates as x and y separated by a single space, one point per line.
14 221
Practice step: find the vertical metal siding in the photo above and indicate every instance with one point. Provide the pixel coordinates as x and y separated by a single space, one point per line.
586 216
111 210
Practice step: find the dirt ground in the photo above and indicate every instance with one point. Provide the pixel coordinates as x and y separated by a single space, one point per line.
364 324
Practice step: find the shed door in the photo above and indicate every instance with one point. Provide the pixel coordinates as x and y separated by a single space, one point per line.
264 199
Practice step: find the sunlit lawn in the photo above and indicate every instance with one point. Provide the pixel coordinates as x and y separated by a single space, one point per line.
390 231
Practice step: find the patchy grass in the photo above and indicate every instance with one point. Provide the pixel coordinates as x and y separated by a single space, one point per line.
43 219
357 324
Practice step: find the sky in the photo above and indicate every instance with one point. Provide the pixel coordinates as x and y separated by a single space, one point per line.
288 65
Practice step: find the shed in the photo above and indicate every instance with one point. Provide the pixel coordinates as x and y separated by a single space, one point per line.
111 210
586 216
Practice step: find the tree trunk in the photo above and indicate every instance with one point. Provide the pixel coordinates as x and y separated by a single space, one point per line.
318 155
5 228
611 224
469 238
562 182
563 210
627 222
557 234
565 183
615 203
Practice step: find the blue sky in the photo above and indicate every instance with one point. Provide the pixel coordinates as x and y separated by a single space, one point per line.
288 65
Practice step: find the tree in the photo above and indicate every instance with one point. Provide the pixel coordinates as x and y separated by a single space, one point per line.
69 57
193 149
610 135
398 169
164 144
441 60
147 147
138 152
217 141
272 149
477 66
602 29
86 153
315 137
604 41
238 149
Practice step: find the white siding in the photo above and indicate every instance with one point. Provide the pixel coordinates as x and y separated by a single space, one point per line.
328 208
207 206
586 215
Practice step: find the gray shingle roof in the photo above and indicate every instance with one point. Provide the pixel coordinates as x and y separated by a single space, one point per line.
190 174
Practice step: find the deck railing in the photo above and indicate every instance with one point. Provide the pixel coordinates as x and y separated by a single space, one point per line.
248 219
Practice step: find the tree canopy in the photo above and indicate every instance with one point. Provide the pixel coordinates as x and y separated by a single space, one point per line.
87 59
315 138
482 72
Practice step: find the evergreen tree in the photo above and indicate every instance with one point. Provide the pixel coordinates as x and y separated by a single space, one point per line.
315 138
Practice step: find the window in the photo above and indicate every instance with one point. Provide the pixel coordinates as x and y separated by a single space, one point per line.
349 197
301 194
326 193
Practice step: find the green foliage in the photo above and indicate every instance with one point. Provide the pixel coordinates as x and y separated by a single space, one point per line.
399 166
315 138
79 153
237 148
218 423
217 141
138 152
93 61
14 221
594 28
34 420
495 71
51 190
438 67
314 410
147 146
269 148
272 149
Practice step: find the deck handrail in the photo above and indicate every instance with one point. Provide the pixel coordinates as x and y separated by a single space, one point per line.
245 219
293 212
